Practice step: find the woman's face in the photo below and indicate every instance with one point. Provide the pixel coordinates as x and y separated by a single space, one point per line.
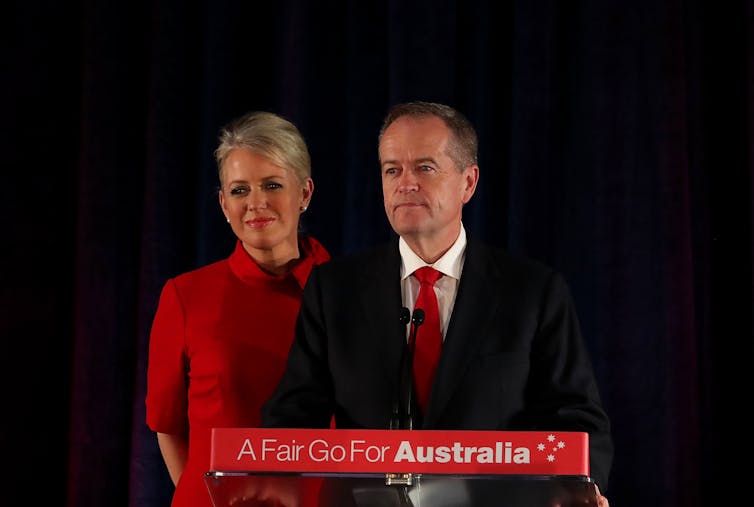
262 202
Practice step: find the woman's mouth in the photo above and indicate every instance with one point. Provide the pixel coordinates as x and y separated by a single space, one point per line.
258 223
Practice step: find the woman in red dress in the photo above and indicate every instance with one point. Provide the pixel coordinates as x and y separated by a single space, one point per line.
221 333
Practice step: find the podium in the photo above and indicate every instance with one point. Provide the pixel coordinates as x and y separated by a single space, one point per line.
255 467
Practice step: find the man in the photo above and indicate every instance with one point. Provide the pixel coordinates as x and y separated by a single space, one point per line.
512 354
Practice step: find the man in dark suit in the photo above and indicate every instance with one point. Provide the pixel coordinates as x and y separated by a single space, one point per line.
512 353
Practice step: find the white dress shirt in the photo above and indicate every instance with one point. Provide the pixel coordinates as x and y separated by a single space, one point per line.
446 288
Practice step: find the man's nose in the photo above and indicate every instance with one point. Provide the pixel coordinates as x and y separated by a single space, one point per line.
408 182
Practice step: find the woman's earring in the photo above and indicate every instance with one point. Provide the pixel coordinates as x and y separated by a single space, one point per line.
302 208
227 219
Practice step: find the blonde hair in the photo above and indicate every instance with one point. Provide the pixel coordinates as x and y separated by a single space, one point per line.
269 135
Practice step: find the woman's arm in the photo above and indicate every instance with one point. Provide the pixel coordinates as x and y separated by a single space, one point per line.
174 449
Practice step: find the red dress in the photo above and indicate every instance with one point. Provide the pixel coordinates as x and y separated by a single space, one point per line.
217 350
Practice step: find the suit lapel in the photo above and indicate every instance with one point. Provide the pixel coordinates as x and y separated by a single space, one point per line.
477 300
380 306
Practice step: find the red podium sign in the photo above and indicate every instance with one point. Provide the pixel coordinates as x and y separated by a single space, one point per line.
400 451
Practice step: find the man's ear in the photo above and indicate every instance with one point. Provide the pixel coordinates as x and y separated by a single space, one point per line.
471 178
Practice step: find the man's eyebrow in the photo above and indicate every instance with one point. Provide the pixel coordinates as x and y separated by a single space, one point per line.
425 159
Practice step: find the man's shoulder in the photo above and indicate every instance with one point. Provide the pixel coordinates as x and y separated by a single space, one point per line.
376 258
498 265
481 252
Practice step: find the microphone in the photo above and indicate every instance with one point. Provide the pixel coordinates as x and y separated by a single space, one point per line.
404 420
405 316
396 421
417 319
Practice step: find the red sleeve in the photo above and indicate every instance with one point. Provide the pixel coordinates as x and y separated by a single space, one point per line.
167 396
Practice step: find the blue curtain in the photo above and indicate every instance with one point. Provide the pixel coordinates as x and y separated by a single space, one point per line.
616 144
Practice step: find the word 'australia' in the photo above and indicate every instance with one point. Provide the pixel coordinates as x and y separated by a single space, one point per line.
457 453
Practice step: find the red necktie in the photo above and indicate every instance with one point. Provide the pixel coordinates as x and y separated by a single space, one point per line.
428 336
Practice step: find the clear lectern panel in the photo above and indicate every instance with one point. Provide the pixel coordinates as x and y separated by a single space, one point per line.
241 489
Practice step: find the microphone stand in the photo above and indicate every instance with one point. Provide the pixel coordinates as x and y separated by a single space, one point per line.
417 319
396 420
405 420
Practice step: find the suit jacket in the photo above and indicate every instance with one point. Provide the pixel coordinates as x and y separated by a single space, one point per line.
513 357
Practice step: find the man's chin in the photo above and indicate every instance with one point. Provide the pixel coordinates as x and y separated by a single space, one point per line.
409 221
407 229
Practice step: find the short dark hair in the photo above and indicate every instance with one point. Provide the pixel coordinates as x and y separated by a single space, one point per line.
463 139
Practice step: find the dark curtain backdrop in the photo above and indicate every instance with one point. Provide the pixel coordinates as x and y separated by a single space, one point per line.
616 144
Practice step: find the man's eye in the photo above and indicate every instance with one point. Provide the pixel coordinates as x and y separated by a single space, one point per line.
391 170
426 168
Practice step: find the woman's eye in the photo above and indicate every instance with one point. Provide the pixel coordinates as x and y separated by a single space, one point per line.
238 191
273 186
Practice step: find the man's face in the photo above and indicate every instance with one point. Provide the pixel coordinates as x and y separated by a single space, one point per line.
422 188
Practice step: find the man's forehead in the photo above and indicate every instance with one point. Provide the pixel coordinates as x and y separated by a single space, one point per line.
415 138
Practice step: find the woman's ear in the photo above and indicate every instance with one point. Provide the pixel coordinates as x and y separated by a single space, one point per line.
221 200
307 189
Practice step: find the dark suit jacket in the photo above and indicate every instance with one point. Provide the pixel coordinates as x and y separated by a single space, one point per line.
513 356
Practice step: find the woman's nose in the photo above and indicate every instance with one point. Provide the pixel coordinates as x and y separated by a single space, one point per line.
256 200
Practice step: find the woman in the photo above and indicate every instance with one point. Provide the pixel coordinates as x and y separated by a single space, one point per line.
221 333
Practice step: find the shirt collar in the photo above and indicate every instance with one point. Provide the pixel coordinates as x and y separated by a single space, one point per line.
450 264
